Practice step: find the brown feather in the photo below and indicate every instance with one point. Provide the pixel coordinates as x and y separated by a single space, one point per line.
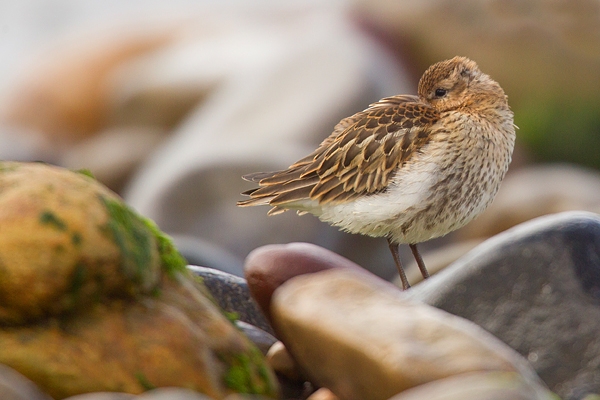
358 158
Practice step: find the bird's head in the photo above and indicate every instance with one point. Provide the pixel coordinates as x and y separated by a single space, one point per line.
456 83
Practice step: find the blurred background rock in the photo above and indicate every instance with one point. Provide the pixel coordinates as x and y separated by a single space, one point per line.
169 103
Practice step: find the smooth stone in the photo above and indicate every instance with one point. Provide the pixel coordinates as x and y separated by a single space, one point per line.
378 341
14 386
172 393
476 386
293 383
103 396
232 294
322 394
282 362
261 339
537 288
268 267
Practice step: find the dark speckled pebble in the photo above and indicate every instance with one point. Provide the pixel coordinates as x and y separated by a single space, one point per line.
232 295
263 340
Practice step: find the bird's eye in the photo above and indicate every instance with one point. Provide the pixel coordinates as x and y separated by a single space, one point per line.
440 92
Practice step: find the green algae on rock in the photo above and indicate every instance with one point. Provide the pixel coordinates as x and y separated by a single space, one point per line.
93 296
135 241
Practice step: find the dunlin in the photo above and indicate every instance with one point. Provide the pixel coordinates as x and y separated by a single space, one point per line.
408 168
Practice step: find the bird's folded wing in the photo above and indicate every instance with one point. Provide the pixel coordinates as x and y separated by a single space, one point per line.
357 159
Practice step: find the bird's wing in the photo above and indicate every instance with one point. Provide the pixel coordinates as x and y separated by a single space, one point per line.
357 159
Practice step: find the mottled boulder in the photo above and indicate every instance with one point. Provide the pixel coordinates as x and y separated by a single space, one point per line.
537 288
95 298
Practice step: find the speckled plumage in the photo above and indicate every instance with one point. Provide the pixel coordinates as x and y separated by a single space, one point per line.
408 168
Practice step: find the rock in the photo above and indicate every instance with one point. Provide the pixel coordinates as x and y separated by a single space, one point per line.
322 394
232 295
379 342
172 394
282 363
64 94
537 288
293 383
103 396
268 267
84 275
14 386
69 241
475 386
238 396
261 339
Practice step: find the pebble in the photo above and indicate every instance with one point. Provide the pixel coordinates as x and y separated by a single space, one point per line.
378 342
268 267
233 296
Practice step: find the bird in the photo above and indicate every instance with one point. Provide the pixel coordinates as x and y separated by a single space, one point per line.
407 168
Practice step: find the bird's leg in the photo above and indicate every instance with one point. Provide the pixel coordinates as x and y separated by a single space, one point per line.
419 260
394 249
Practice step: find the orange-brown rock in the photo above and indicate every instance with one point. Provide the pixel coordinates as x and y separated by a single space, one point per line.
94 298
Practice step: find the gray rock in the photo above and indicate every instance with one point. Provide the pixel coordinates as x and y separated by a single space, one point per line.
537 288
14 386
232 295
263 340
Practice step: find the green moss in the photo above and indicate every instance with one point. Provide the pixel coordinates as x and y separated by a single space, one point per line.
135 236
78 279
8 166
85 172
134 240
49 218
561 129
249 374
232 316
143 381
172 262
76 238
